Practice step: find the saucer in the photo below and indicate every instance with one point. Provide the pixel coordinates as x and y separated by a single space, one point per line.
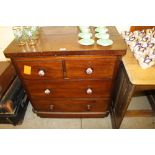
86 41
102 35
104 42
85 35
101 30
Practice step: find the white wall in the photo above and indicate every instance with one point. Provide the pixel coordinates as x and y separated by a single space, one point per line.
123 28
6 36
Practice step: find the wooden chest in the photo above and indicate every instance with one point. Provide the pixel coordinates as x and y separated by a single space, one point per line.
65 79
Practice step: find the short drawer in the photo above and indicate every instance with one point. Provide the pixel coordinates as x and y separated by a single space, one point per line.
40 69
71 105
61 89
90 69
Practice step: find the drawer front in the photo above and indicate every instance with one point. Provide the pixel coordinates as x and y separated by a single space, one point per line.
77 89
71 105
90 69
40 69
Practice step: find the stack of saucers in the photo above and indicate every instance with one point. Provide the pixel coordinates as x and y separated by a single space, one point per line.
85 35
103 36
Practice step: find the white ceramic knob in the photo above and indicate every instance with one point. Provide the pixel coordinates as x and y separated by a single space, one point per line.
51 107
89 70
41 72
47 91
88 107
89 91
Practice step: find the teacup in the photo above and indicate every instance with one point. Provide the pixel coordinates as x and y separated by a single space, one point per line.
101 27
102 35
101 30
85 35
84 29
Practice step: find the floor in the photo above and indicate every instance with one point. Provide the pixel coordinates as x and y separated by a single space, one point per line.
31 121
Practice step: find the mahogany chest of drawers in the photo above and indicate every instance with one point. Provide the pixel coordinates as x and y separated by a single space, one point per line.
65 79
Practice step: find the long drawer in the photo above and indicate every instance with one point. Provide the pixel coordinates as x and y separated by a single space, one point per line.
71 105
69 89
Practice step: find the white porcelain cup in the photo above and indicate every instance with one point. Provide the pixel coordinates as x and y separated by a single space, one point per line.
102 35
103 30
85 35
84 29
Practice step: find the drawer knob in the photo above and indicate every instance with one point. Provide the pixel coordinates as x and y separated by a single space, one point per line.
89 91
47 91
88 107
89 70
51 107
41 72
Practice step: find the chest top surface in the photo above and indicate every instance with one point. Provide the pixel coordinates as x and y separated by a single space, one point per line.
63 40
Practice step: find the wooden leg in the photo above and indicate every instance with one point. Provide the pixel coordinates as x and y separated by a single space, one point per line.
123 93
151 97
